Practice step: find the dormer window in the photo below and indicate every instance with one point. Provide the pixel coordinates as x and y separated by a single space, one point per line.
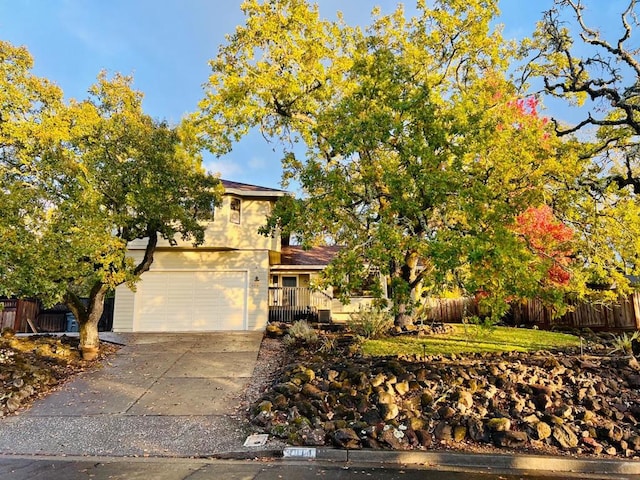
235 210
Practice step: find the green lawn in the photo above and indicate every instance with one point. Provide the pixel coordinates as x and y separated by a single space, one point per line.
473 339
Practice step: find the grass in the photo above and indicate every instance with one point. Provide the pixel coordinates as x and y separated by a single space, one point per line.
471 340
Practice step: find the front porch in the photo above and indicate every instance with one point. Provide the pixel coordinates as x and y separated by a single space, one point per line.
289 304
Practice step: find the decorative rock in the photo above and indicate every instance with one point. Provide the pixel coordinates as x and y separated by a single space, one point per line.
459 433
346 438
510 439
315 437
543 430
389 412
402 388
385 398
465 398
391 439
498 424
565 437
476 430
378 380
443 431
424 437
312 391
446 412
593 445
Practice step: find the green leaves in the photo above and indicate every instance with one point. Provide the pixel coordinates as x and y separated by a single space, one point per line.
81 180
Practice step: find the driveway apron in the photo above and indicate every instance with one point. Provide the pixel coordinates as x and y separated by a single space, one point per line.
160 395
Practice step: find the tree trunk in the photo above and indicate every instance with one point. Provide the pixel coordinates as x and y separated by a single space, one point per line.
406 283
89 316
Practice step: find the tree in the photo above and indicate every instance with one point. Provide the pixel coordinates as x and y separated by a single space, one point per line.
600 73
420 154
80 181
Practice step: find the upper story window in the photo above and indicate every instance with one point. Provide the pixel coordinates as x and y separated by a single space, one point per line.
235 210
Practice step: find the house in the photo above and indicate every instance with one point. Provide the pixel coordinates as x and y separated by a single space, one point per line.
236 280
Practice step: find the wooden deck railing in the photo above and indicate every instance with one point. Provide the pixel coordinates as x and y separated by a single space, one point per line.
288 304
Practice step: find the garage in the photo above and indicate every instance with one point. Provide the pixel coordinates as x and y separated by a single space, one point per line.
186 301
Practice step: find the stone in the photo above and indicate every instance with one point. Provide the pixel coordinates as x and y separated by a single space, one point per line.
593 445
392 440
476 430
615 433
633 381
541 401
425 438
264 406
634 442
465 398
389 412
378 380
443 431
510 439
446 412
565 437
402 387
312 391
313 438
346 438
543 430
426 399
416 423
459 433
385 398
287 388
498 424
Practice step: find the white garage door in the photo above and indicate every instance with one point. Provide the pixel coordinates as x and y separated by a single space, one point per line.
190 301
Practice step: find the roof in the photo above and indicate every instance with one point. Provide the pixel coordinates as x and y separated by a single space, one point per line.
316 256
247 190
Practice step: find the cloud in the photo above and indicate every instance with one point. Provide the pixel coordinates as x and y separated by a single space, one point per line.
257 163
226 168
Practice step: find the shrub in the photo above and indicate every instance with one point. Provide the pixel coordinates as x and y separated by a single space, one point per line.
624 343
301 333
370 322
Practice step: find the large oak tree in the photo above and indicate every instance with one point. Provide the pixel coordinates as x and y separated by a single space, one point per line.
412 147
82 179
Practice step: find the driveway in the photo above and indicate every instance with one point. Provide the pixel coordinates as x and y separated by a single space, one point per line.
160 395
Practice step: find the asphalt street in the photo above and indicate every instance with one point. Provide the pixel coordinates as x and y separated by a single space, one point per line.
24 468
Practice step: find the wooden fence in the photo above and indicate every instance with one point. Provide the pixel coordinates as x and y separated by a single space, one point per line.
14 314
622 315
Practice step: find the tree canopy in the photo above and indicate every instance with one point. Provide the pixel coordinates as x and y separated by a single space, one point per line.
411 144
80 180
598 72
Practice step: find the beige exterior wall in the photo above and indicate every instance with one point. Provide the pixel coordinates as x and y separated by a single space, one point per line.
254 262
222 233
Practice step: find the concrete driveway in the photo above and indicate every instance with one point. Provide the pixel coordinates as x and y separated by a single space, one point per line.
161 394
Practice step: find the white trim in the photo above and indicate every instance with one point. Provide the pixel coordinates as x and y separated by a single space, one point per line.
254 193
297 267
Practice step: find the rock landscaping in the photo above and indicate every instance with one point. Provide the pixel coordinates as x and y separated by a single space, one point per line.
31 367
551 402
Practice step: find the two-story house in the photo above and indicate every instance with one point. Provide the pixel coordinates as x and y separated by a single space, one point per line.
236 280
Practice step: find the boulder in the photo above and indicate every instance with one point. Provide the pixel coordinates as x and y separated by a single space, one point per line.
346 438
565 437
500 424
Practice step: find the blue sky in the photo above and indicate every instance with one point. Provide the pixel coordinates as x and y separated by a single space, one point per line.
165 45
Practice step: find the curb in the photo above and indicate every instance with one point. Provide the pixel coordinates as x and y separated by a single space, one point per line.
537 463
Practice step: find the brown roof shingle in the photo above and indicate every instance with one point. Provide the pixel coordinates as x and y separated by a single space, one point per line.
296 255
